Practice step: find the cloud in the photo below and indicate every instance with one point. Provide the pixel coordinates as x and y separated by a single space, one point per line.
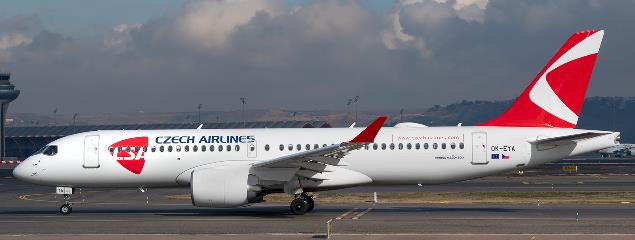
430 14
14 39
314 56
209 23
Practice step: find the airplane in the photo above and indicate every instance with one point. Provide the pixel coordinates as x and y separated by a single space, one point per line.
621 150
226 168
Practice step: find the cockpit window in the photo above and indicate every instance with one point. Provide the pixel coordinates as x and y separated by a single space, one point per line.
49 150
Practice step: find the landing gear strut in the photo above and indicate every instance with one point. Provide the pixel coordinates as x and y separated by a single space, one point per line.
302 204
66 208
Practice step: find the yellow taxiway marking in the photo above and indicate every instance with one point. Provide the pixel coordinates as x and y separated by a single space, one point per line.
346 214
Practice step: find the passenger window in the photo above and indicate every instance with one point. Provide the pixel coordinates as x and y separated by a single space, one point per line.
237 148
203 148
170 148
400 146
128 149
315 146
220 148
178 148
51 150
383 146
392 146
290 147
453 145
298 147
366 147
307 147
161 148
136 149
281 147
153 148
323 145
417 146
145 148
186 148
266 147
443 145
194 148
229 148
211 148
110 149
119 149
409 146
435 145
374 146
461 146
426 146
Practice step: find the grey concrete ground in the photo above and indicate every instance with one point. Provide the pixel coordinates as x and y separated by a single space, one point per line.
30 212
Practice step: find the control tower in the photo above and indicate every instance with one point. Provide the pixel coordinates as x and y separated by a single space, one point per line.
8 93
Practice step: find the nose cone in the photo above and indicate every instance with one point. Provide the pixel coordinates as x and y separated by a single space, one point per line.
26 171
21 172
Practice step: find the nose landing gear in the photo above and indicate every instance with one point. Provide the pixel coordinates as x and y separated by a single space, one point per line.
67 207
302 204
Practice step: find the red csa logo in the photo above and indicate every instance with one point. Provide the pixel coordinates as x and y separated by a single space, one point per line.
130 152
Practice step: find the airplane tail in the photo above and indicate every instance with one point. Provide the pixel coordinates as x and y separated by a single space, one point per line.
554 98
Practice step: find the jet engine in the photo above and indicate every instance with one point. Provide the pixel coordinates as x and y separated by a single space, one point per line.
224 187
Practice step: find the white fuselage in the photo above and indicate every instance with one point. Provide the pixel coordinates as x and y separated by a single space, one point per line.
461 153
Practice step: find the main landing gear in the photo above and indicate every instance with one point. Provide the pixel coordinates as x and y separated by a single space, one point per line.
303 203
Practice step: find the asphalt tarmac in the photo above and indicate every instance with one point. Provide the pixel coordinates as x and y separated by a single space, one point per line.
30 212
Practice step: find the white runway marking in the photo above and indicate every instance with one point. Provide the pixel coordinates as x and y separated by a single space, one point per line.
346 214
362 213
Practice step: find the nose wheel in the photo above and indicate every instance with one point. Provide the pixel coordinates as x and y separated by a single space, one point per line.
66 208
302 204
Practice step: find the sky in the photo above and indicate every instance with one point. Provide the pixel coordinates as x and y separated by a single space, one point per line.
171 55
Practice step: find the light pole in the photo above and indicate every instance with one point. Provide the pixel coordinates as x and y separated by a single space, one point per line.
244 101
55 116
355 100
74 126
401 115
348 109
199 112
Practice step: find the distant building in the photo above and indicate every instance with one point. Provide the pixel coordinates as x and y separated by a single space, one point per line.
21 142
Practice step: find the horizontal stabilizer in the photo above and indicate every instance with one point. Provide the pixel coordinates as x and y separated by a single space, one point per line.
567 139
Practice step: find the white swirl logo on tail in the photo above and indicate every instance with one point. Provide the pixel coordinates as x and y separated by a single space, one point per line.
544 96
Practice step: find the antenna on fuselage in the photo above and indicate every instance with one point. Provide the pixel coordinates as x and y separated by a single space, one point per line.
200 127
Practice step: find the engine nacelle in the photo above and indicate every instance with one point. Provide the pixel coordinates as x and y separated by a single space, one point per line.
223 187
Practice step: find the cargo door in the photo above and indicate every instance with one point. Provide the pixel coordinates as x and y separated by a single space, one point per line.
479 148
91 151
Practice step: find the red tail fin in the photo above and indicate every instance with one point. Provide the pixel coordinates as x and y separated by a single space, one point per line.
555 97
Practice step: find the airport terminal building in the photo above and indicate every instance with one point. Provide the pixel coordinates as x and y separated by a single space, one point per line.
21 142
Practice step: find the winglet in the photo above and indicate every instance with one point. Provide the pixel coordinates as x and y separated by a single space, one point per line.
368 134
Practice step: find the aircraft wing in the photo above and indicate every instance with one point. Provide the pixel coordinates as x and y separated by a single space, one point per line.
312 163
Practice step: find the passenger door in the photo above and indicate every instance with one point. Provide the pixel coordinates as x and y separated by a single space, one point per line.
479 148
91 151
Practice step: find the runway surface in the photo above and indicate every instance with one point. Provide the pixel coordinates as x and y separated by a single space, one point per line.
98 213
